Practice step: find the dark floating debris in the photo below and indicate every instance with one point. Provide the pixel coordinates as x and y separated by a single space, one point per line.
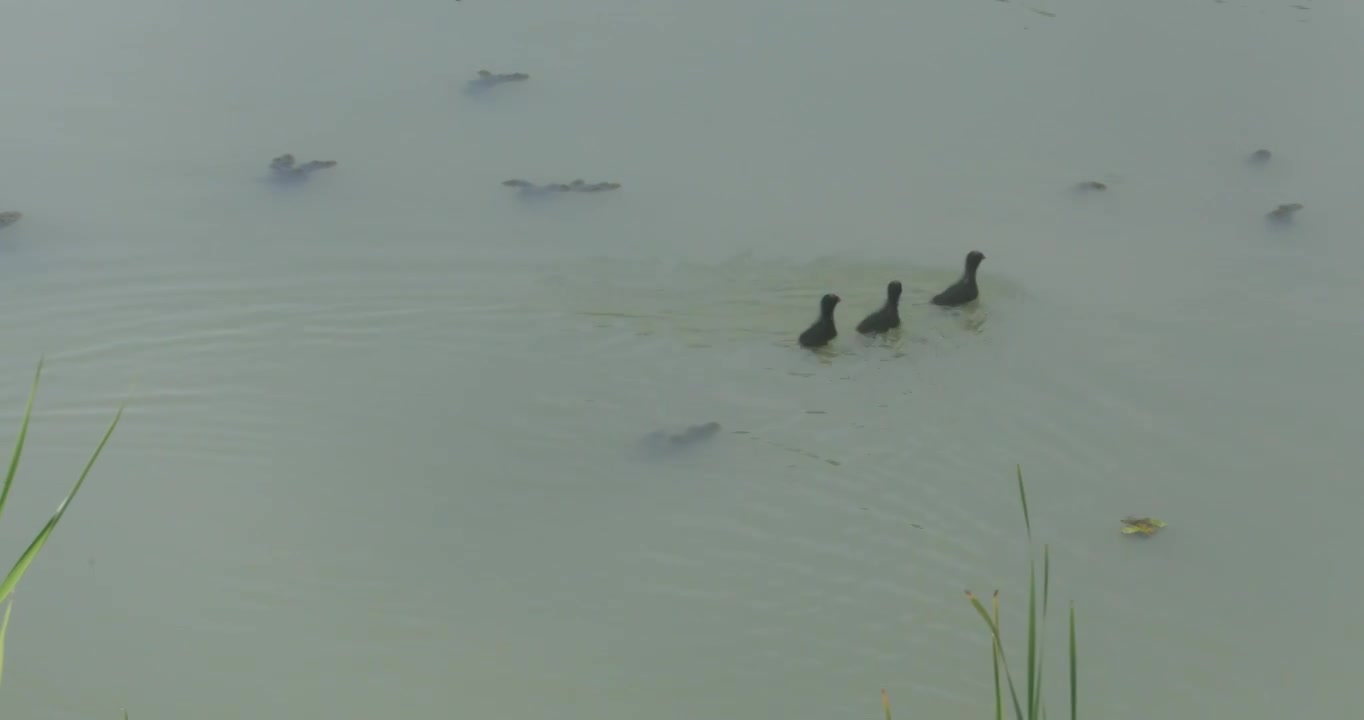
694 433
284 167
487 80
1260 156
1284 213
661 441
10 217
575 186
1090 185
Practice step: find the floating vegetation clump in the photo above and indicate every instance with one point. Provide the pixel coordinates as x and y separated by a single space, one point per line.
1143 526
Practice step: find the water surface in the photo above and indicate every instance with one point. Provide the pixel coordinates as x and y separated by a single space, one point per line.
383 457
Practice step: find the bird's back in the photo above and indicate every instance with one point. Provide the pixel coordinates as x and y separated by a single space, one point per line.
964 291
818 334
880 321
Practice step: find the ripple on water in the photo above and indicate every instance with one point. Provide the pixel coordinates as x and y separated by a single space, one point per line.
745 299
857 502
864 514
824 534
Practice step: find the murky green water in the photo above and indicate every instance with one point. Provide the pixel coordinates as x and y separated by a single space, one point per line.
387 451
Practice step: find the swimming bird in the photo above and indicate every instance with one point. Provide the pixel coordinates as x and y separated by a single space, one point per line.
887 317
823 330
964 290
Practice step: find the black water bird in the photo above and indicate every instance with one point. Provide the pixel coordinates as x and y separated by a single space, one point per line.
823 330
964 290
887 317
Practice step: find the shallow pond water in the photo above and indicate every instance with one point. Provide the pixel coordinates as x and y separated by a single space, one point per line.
388 450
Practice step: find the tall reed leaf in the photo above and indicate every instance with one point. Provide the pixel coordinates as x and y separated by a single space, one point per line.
19 441
4 625
999 648
22 564
1042 629
1073 686
994 653
1037 632
1032 637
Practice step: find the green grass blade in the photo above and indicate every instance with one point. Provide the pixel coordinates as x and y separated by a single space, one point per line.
1037 634
1032 640
1073 664
19 441
1008 678
1037 709
1034 644
26 559
999 647
994 653
1042 628
1046 580
4 626
885 702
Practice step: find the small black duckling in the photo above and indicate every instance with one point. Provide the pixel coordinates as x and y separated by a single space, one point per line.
822 332
887 317
964 290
